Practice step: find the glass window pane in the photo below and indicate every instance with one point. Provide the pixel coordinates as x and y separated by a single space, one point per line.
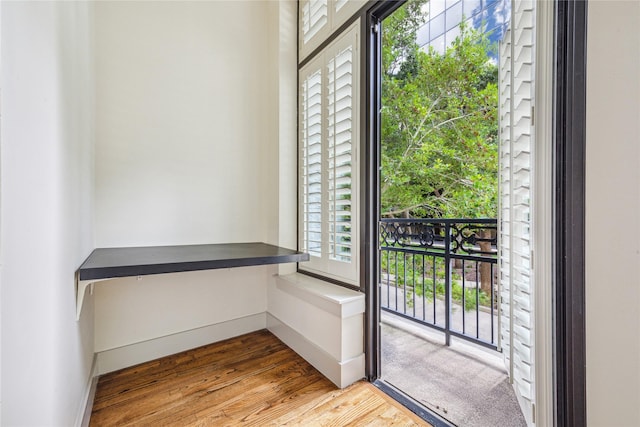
454 15
471 7
437 26
450 3
495 18
452 34
422 37
471 23
436 8
438 45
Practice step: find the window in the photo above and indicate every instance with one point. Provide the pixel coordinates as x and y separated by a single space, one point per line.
328 185
319 18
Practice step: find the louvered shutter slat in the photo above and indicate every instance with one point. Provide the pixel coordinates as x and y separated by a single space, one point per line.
516 62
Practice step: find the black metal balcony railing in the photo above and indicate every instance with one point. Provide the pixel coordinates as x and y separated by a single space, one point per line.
441 273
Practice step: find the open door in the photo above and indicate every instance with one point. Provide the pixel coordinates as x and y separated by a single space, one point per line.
516 98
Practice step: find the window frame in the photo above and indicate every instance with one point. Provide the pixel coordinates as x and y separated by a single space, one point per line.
340 272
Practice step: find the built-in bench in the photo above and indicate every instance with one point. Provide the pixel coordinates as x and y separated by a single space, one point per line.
322 322
111 263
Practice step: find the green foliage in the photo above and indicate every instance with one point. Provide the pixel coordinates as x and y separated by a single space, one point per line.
439 123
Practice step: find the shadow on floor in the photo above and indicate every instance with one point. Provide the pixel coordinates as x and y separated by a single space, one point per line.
466 385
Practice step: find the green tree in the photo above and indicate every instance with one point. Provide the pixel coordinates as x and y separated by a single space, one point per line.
439 123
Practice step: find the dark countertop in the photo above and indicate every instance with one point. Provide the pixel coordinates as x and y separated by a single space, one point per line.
105 263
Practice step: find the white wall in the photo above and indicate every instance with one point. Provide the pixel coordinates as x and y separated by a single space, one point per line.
186 152
183 122
613 214
46 209
131 311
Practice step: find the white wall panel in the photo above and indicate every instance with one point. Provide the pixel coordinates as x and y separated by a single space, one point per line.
183 122
613 214
46 209
132 310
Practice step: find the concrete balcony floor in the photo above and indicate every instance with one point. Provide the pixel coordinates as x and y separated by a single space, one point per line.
463 383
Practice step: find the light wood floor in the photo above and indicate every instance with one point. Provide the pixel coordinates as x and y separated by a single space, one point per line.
253 379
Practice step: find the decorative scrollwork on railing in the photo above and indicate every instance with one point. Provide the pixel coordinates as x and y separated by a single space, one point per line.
410 234
474 239
466 236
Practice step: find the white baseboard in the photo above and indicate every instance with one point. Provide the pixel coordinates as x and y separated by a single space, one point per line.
84 414
130 355
341 373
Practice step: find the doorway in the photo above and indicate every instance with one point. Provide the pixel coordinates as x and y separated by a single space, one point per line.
454 214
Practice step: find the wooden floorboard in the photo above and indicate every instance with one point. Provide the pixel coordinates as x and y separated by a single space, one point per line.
252 380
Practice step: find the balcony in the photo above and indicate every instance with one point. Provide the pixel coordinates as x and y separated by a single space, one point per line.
439 296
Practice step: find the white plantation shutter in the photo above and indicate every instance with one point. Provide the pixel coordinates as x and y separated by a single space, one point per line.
340 153
328 163
339 4
504 213
343 10
516 143
311 128
319 18
314 15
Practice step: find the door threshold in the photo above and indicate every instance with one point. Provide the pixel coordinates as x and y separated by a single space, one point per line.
413 405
